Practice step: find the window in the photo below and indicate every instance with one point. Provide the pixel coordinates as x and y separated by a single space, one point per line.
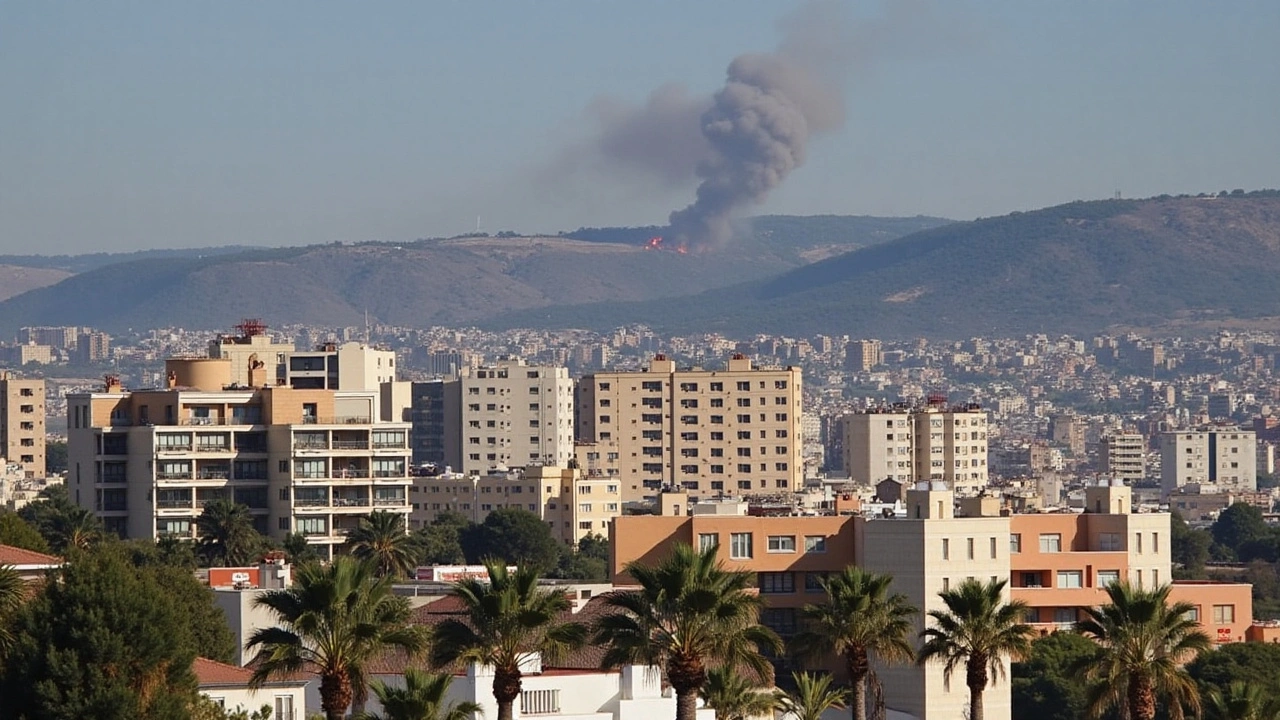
1155 542
1031 580
1064 616
717 419
773 583
744 385
946 549
744 468
1224 614
740 546
540 702
969 543
1137 543
1193 615
744 419
717 387
651 385
1050 542
815 543
1109 542
813 581
782 543
1070 579
1108 577
993 548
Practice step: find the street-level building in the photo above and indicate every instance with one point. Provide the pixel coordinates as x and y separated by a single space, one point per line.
733 431
1057 563
146 462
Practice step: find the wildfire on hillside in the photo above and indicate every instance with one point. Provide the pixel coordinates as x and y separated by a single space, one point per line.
655 243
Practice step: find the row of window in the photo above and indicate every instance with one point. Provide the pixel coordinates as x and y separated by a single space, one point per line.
1107 542
741 544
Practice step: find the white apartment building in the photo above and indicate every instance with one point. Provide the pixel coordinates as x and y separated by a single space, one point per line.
1122 456
146 462
508 415
350 366
22 428
1224 458
251 345
735 430
913 444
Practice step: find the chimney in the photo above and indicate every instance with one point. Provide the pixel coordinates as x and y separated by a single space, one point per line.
171 380
111 383
256 373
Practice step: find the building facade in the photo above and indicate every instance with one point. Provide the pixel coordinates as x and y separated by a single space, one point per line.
1122 456
914 444
350 366
315 462
22 431
712 432
1224 458
251 345
863 355
508 415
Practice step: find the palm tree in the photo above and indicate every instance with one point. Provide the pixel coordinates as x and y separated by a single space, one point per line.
1145 642
226 532
859 619
1242 701
734 696
381 538
73 528
422 698
689 612
978 629
507 618
12 590
812 697
333 620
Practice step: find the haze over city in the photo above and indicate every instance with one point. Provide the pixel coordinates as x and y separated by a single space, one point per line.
147 125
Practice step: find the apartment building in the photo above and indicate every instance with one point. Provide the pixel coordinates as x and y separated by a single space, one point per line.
145 462
1219 458
1122 456
863 355
1057 563
349 366
22 423
508 415
910 444
92 347
573 503
731 431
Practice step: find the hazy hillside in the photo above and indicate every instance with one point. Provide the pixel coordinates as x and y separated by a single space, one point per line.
17 279
90 261
456 281
1078 267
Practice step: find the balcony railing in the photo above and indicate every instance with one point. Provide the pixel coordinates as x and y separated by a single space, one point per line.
174 504
310 445
312 532
351 502
389 501
389 473
174 475
213 448
350 444
337 420
382 445
312 474
311 502
174 448
350 473
214 475
201 502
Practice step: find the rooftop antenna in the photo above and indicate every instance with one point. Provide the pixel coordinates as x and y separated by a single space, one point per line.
477 223
366 326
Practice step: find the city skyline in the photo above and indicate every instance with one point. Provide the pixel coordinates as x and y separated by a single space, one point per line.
151 125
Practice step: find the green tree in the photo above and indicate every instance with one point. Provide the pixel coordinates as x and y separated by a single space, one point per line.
55 457
102 641
1242 701
226 533
589 562
513 535
335 618
438 543
1189 548
422 698
813 696
300 551
977 630
381 539
1238 525
506 617
688 613
52 501
1044 684
206 709
1252 662
74 529
12 590
210 635
859 619
16 532
1146 642
734 696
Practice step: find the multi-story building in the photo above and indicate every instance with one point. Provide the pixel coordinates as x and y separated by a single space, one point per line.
574 504
22 423
1222 458
92 347
249 346
912 444
863 355
714 432
426 412
1122 456
59 337
508 415
1057 563
1067 429
350 366
145 462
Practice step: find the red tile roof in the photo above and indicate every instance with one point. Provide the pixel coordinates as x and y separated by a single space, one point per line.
212 672
10 555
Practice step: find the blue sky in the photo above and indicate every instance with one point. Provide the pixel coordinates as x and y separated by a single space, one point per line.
132 125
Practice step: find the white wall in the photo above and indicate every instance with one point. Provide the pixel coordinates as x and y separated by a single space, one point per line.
238 698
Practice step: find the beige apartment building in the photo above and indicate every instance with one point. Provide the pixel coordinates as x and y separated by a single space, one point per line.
349 366
22 423
145 462
731 431
508 415
573 503
252 342
1122 456
913 444
1218 458
863 355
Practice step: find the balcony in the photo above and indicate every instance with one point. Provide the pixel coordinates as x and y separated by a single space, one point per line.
390 474
214 475
389 502
311 474
173 448
174 504
350 444
173 475
309 445
389 445
347 502
337 420
350 473
311 502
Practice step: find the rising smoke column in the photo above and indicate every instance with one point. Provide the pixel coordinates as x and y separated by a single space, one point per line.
758 127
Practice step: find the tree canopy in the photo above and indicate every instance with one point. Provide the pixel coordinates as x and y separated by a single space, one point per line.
514 536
